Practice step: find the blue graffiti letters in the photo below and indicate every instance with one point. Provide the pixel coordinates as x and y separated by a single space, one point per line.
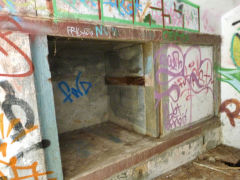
67 91
125 9
104 31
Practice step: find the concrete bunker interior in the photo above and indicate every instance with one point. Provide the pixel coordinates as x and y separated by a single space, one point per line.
100 106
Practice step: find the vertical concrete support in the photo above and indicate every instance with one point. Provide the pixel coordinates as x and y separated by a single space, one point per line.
148 63
127 102
45 101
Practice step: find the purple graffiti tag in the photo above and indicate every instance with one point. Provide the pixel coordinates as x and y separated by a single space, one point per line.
158 96
176 117
187 75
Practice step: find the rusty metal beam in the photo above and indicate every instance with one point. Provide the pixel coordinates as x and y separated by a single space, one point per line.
137 81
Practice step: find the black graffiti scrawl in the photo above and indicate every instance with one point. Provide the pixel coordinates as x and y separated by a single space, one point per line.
10 100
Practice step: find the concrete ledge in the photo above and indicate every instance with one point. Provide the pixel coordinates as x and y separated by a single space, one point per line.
160 145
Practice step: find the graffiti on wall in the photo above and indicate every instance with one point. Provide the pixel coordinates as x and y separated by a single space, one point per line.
232 75
171 14
76 92
188 76
10 101
125 7
16 170
232 115
10 45
17 120
175 36
16 132
21 7
235 46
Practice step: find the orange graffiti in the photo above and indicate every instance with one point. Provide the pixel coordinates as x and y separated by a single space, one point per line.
12 164
3 149
1 125
231 114
23 133
13 123
15 170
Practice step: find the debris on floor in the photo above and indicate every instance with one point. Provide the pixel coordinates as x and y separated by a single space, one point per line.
221 163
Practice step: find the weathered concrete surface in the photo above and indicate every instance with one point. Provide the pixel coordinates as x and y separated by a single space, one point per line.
56 10
180 101
230 88
121 104
127 107
209 165
173 157
152 122
90 107
126 61
21 144
127 103
45 102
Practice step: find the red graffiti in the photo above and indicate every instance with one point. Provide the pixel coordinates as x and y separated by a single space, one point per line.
231 114
12 44
8 19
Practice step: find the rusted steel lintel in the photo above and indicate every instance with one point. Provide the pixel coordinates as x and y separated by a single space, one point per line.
95 30
138 81
79 29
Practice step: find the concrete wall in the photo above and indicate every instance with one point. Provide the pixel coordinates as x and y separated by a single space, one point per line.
127 102
52 16
195 13
81 67
97 102
230 81
184 80
145 13
211 13
173 157
122 104
21 145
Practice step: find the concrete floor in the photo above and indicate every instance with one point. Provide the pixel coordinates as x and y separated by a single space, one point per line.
87 150
221 163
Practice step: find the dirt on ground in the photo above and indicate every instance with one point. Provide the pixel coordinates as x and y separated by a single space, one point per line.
221 163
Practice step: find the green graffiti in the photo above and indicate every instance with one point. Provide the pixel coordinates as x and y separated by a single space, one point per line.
230 76
175 36
97 13
149 18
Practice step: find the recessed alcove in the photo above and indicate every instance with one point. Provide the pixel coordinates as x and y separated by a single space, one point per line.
100 101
